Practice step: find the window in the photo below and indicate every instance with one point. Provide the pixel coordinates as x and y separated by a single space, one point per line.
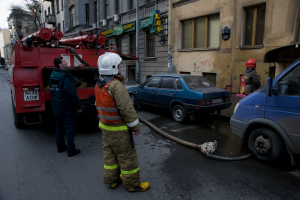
132 39
52 8
72 16
167 83
202 32
95 12
132 4
254 25
57 6
58 26
107 9
150 44
131 72
119 6
49 10
289 84
87 14
45 15
119 44
179 84
62 4
212 77
153 82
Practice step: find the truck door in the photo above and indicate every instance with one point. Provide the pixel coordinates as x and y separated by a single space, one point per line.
284 108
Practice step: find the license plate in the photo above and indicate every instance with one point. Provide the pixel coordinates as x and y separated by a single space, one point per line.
31 95
217 100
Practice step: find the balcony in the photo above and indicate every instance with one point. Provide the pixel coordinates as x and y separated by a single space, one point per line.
51 19
9 26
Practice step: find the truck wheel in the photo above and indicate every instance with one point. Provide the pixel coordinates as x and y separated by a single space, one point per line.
265 144
18 118
179 114
133 100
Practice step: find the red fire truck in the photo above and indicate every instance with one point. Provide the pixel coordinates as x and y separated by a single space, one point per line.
32 63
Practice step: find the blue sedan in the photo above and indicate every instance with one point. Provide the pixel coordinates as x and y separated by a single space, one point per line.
182 94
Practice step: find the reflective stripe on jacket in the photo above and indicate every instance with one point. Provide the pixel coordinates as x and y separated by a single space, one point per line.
107 110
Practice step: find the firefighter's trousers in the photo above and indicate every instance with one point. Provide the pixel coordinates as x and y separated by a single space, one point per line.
119 158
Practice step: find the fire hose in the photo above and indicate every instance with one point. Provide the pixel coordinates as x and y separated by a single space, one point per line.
208 148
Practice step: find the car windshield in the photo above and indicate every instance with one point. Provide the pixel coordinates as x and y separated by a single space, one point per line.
197 82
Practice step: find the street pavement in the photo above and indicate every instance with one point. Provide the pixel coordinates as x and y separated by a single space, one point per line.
31 168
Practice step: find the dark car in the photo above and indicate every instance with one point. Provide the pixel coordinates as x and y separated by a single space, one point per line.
181 93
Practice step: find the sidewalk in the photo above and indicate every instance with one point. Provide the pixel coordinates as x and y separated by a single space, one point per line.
229 111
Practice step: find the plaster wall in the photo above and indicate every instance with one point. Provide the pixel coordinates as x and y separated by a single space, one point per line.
228 61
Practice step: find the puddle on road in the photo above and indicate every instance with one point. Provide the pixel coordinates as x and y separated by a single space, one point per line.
206 129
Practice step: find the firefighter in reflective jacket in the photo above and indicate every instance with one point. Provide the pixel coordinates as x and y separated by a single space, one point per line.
252 82
117 121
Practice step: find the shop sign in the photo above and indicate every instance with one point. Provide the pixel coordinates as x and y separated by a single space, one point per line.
144 23
130 62
118 30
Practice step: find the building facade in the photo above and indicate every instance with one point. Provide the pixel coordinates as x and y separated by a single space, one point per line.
121 14
215 38
4 40
53 14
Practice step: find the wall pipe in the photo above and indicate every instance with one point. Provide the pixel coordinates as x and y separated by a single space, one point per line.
137 24
170 37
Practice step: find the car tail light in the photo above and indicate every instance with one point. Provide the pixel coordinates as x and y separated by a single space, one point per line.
227 99
205 102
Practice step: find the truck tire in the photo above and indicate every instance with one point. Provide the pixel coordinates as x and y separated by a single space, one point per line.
133 100
179 114
18 118
265 145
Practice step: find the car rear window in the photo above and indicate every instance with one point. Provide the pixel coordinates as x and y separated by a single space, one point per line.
197 82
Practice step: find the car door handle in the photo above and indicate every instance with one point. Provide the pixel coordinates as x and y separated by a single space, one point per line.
153 91
172 93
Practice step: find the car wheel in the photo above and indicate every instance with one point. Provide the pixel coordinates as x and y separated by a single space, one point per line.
265 145
133 100
18 118
179 114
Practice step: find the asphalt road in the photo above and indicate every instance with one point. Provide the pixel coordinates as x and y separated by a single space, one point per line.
31 168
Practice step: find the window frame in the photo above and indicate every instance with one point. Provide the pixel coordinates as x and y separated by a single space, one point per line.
87 14
254 26
148 34
297 25
72 17
193 33
57 7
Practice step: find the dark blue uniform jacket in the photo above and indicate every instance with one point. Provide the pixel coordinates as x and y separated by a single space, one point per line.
64 96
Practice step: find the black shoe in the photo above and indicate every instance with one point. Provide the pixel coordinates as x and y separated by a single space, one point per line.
73 153
61 149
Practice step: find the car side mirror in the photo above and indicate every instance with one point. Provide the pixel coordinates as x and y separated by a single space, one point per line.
275 91
269 86
140 85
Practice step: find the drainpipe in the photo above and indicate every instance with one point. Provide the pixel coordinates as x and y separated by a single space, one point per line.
170 37
42 15
137 26
233 40
64 16
97 14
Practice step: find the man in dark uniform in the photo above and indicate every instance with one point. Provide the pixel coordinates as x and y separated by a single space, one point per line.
252 82
65 103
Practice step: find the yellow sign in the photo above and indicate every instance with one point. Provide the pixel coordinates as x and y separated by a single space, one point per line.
107 32
128 26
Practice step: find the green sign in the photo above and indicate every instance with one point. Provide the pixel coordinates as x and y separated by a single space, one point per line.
144 23
118 30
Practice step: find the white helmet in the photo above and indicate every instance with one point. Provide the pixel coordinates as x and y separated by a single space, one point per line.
108 63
